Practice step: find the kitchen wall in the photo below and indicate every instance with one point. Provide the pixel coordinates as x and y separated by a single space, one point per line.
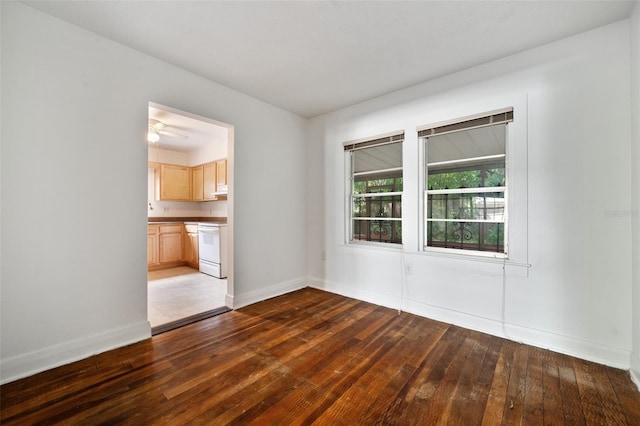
567 282
74 211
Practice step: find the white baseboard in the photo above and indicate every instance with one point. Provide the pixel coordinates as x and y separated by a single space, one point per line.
25 365
244 299
579 348
229 300
634 371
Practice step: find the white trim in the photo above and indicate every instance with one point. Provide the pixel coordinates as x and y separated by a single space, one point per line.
480 190
379 219
25 365
378 171
634 369
464 160
429 219
478 256
375 245
377 194
634 378
189 115
229 300
244 299
468 253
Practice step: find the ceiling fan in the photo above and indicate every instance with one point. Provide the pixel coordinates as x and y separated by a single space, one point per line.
157 128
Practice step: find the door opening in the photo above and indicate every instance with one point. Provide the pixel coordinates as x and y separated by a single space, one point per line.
190 193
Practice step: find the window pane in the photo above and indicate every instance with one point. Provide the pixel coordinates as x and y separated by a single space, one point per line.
374 184
466 159
383 206
466 235
479 206
377 172
377 158
479 175
385 231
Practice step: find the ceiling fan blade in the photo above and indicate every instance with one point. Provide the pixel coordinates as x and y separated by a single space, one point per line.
156 124
172 134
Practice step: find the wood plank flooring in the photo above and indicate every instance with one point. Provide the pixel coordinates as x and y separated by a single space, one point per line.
312 357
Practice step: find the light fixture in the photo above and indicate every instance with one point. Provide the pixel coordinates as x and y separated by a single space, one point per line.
153 136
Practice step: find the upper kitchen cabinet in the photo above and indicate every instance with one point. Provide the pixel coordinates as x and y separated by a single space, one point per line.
171 182
209 181
197 183
203 182
175 183
221 176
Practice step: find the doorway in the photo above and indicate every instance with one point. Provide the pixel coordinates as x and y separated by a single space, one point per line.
190 186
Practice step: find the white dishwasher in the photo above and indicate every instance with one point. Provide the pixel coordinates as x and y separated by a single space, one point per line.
212 249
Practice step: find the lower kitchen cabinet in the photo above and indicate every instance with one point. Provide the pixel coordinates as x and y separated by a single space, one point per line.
191 245
152 245
172 245
164 246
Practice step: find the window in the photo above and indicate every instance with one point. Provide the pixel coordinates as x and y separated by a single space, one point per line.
375 190
465 184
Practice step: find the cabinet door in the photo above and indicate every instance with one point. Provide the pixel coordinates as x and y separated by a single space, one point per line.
152 245
191 249
171 245
196 256
175 182
197 180
221 175
209 181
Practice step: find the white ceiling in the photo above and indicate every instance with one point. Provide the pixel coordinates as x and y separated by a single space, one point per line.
192 133
312 57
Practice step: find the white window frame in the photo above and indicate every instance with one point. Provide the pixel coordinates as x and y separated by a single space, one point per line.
424 191
349 148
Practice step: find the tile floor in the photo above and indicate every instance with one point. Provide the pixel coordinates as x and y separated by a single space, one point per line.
177 293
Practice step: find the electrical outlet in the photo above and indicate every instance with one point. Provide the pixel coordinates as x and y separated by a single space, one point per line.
408 269
324 255
165 209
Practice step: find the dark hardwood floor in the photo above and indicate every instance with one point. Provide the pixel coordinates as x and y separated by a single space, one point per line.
315 357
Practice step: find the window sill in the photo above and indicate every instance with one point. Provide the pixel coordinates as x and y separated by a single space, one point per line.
375 246
474 256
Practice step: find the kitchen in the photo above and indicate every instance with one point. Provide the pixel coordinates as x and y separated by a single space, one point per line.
187 232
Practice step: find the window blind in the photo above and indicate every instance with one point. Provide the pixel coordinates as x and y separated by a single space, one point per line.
352 146
504 116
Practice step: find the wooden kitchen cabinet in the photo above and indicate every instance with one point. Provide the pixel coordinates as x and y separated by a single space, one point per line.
171 182
209 181
197 183
175 183
191 245
221 176
152 246
203 182
170 244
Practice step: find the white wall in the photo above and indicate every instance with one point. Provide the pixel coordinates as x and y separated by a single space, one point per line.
570 186
74 208
207 153
635 185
